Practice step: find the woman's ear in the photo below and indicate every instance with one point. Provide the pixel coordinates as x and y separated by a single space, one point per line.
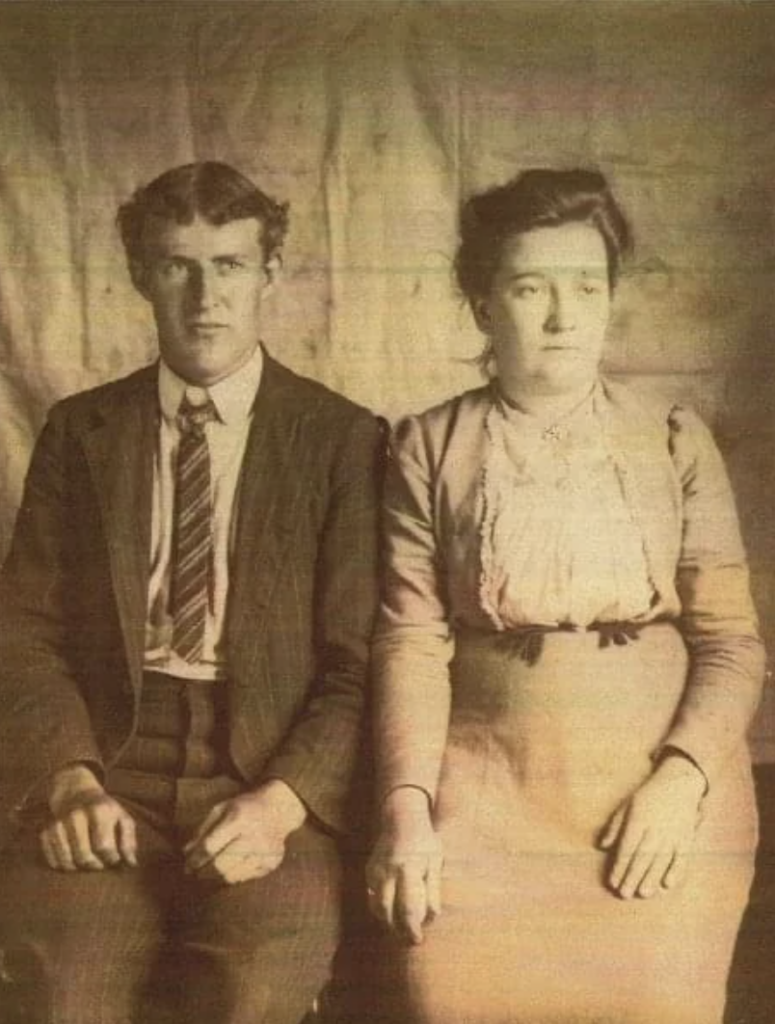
482 315
272 269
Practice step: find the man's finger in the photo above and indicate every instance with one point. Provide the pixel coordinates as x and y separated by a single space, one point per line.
210 821
126 835
48 850
79 836
60 846
102 835
206 851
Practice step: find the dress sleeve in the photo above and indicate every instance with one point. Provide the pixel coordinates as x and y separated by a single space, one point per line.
413 643
718 619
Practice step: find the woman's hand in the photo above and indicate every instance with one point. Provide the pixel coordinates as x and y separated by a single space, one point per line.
652 832
404 871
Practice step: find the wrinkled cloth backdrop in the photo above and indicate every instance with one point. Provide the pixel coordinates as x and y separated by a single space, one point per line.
373 119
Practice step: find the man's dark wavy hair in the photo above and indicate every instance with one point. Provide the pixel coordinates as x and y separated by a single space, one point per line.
214 191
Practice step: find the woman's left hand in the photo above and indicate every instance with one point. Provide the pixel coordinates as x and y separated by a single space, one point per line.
652 832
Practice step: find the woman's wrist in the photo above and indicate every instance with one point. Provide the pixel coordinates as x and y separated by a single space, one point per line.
403 801
674 763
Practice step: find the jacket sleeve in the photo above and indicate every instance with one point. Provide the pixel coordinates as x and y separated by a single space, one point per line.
320 755
44 722
718 619
413 643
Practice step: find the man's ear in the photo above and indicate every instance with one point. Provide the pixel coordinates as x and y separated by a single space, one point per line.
482 315
139 274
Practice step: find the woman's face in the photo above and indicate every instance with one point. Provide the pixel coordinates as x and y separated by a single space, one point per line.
547 312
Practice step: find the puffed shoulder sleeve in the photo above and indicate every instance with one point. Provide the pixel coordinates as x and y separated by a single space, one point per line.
413 639
718 618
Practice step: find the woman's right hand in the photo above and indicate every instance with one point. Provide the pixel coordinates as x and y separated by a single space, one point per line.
404 871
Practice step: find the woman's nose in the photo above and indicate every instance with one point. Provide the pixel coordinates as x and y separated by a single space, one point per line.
562 312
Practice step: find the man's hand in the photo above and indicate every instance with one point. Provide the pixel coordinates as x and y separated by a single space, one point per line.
244 837
404 871
90 830
653 831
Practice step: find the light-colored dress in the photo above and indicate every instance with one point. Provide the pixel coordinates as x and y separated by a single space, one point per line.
583 591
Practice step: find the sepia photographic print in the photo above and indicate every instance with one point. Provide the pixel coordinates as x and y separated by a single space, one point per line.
387 467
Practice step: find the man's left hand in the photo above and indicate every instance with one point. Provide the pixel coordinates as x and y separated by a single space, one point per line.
244 837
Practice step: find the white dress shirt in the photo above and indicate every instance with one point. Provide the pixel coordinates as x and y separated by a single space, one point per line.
227 437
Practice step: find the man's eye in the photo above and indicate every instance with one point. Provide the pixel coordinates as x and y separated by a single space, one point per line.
173 267
230 265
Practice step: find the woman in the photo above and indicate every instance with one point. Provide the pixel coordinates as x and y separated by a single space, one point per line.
567 660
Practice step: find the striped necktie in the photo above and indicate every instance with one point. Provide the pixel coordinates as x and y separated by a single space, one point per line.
192 550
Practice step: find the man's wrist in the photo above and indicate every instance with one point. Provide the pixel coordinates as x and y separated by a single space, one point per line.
288 805
69 781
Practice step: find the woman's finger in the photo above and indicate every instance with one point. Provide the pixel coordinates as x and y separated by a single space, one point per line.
652 882
433 885
676 872
612 830
382 899
411 903
637 869
630 839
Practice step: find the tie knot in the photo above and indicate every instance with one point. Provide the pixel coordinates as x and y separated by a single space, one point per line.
195 410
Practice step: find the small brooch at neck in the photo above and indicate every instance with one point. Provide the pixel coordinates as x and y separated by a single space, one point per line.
554 432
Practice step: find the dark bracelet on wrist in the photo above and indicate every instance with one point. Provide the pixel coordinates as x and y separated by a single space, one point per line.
670 751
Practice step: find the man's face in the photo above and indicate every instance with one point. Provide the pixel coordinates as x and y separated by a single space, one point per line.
205 283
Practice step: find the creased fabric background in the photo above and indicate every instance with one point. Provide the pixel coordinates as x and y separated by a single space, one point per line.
373 119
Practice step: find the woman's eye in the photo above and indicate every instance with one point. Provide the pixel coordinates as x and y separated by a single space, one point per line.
526 291
591 288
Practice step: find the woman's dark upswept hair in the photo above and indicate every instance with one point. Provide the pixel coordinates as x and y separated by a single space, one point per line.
535 199
214 191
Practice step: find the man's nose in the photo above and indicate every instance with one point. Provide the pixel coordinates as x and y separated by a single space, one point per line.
204 287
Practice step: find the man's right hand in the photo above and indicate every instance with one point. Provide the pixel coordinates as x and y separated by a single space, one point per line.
89 830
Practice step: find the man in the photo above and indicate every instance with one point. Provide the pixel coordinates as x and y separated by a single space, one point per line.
184 617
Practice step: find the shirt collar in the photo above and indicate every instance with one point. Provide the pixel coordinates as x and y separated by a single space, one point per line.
233 396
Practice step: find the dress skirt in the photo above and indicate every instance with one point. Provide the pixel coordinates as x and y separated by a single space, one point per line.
539 757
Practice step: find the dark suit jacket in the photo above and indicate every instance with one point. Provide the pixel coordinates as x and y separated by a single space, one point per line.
73 590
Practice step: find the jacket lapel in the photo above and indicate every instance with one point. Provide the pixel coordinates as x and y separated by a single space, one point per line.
275 474
120 447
